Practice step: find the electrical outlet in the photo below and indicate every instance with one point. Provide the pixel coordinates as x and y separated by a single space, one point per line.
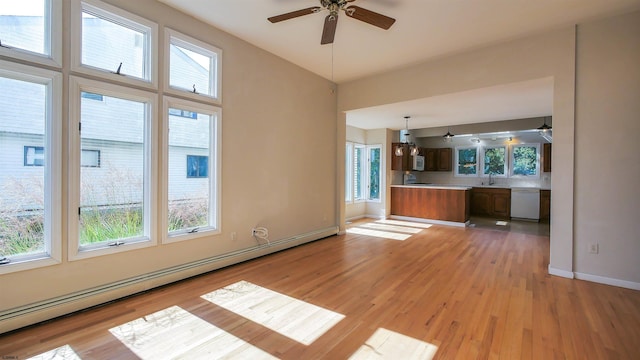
593 248
234 236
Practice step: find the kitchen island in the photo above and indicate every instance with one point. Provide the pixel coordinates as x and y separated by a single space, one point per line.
444 204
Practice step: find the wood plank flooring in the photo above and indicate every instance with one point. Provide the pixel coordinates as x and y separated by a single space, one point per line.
403 291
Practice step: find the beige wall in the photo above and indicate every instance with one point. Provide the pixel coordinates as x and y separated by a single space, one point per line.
278 170
607 166
547 55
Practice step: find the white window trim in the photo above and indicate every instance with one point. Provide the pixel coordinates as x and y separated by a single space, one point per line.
457 162
368 173
512 161
149 238
53 163
195 45
122 17
215 149
506 161
54 22
348 178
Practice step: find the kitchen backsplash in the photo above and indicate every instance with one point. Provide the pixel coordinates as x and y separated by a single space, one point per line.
543 182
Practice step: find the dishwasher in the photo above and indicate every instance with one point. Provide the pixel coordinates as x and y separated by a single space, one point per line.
525 203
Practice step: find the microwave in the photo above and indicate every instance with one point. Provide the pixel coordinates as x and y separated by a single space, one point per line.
418 163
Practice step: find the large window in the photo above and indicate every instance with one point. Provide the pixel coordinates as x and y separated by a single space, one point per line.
363 180
112 43
113 200
466 161
194 67
525 160
192 205
31 29
29 174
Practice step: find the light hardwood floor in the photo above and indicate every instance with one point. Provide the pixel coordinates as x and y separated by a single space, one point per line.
385 290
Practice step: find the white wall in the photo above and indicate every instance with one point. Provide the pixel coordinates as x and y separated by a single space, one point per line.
278 170
607 166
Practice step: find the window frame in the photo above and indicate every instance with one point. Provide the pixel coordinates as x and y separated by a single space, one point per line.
350 173
173 37
52 254
505 165
53 24
457 161
214 175
126 19
512 161
150 175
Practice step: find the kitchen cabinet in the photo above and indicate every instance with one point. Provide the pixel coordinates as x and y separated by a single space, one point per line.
545 205
405 161
431 203
437 159
491 202
546 157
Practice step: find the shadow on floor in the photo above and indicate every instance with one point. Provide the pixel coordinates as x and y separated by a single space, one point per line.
518 226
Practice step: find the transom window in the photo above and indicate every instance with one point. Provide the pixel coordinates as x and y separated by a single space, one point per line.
112 42
31 29
194 66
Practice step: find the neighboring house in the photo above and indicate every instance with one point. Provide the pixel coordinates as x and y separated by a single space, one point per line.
106 156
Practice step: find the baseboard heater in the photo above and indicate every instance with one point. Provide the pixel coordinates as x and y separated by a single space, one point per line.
257 251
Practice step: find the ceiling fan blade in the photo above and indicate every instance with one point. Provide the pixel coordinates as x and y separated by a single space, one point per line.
329 30
369 17
294 14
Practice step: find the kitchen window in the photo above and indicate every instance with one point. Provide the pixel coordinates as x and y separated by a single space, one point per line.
31 30
363 179
466 161
494 161
525 160
194 67
30 189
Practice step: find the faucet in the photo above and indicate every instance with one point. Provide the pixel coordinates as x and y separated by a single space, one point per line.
491 182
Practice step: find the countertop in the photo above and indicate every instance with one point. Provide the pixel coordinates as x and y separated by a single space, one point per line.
467 187
435 186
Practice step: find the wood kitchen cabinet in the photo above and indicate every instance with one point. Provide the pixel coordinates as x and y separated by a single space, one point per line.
431 203
437 159
491 202
545 205
546 157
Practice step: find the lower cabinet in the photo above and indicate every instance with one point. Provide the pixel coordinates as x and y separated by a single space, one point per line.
545 205
491 202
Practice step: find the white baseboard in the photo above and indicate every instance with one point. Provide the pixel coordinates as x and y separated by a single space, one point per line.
429 221
21 316
608 281
561 273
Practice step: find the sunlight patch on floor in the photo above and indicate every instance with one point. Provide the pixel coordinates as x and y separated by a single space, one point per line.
293 318
64 352
387 344
394 228
405 223
176 333
378 233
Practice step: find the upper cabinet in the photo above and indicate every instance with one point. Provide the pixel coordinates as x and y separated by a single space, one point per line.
546 157
403 162
437 159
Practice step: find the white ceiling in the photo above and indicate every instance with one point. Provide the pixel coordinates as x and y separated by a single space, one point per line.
424 29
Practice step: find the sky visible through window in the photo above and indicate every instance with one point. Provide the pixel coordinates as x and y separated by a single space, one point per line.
22 8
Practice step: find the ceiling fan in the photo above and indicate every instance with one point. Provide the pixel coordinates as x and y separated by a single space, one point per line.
331 21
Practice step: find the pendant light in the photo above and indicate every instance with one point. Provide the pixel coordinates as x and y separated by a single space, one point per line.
448 137
413 149
544 127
